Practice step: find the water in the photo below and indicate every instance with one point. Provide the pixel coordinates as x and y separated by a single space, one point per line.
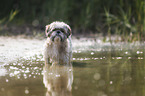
110 73
98 70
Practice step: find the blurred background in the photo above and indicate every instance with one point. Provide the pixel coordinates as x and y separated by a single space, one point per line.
123 18
108 46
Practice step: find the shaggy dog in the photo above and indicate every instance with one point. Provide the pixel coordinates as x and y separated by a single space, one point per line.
58 77
58 48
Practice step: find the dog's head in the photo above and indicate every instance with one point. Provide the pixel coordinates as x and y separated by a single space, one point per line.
58 31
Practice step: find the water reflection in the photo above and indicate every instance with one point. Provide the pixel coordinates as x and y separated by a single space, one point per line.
110 71
58 80
3 71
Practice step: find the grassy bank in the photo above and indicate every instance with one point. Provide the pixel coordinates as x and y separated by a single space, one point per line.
124 18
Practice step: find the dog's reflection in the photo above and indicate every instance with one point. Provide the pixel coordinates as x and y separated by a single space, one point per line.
58 80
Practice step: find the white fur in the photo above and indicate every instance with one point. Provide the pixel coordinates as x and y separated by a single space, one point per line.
58 25
51 51
57 51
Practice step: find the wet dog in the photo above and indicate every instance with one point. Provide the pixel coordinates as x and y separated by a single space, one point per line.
58 48
58 71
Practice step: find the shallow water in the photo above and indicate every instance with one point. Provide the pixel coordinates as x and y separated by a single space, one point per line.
98 70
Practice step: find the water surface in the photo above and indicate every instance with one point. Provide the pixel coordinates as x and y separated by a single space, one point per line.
98 70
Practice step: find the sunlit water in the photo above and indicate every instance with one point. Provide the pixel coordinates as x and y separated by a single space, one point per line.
98 70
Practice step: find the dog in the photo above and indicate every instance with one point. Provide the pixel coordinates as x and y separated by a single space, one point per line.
58 47
58 71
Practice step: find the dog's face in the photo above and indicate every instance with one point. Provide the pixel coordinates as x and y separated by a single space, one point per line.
58 31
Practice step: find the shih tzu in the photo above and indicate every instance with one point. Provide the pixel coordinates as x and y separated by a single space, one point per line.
58 48
58 51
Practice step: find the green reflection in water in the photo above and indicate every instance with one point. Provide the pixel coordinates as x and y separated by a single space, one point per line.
109 73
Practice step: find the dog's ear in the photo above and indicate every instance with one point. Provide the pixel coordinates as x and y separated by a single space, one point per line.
69 31
47 29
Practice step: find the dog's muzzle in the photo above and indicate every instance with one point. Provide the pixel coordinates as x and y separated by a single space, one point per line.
56 35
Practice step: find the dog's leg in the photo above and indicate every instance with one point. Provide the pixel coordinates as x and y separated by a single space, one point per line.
47 61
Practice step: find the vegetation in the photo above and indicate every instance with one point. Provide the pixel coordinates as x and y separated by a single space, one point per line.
125 18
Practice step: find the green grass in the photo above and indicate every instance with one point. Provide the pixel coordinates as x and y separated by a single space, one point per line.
109 17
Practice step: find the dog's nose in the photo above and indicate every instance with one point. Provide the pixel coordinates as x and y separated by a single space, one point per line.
58 32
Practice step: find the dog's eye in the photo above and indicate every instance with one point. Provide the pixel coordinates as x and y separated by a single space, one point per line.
54 29
62 31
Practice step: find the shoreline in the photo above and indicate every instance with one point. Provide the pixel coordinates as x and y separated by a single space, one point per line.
14 47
